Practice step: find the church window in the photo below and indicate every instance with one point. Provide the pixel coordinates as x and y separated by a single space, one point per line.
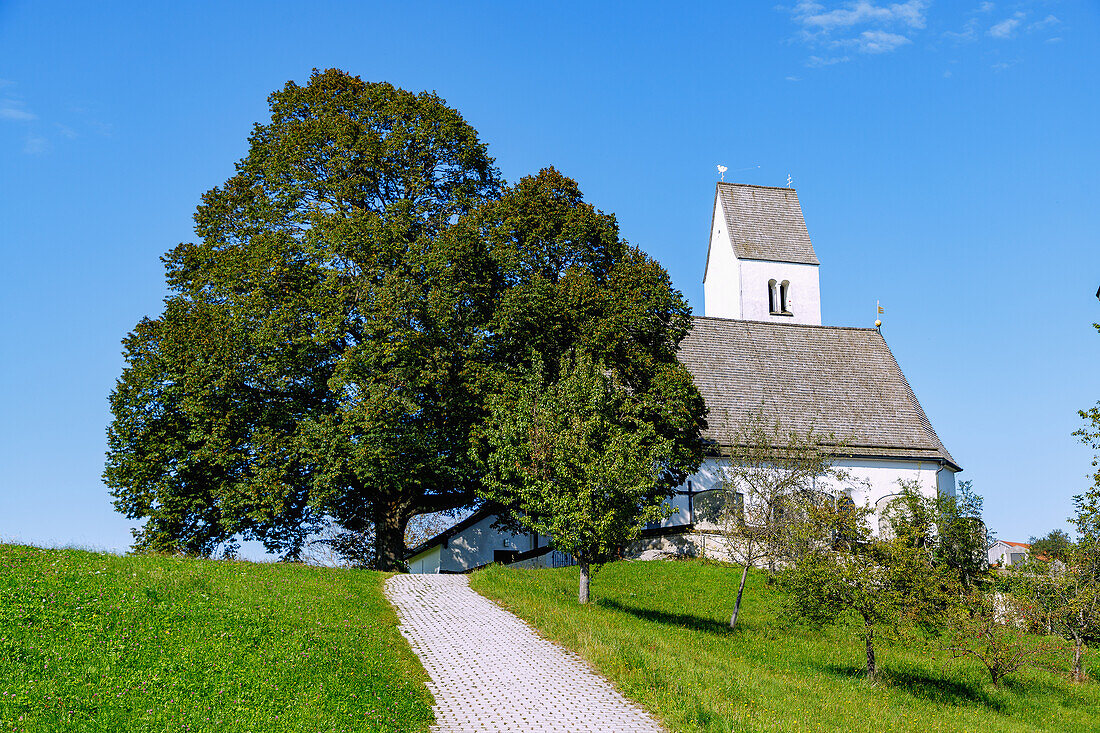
773 297
784 290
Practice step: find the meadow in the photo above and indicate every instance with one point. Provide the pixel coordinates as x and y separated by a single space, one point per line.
659 631
98 642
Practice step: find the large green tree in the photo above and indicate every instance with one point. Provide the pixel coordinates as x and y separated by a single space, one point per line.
320 350
595 421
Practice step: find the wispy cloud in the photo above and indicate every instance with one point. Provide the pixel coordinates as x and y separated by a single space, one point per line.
13 109
986 7
814 15
866 26
968 33
816 62
877 42
1007 27
35 144
1047 22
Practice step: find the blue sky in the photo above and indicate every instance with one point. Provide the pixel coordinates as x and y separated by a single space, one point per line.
945 155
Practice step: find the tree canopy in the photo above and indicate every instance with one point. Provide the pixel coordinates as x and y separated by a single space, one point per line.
360 289
312 356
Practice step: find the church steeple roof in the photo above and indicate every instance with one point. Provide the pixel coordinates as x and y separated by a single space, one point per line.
766 223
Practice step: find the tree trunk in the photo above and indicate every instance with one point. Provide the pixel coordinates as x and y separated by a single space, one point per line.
1078 667
740 590
582 595
869 638
389 539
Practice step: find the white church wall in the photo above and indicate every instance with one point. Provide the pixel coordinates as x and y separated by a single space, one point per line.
721 281
870 482
803 294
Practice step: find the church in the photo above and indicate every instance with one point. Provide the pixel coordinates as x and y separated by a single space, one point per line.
760 347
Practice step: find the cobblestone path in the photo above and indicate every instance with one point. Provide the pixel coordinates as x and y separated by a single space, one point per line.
491 672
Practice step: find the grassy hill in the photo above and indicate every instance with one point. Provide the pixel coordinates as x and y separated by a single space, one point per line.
96 642
659 631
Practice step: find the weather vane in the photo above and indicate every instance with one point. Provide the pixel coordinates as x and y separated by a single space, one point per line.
788 180
722 171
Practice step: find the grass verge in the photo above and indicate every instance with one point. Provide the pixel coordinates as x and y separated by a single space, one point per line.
97 642
658 630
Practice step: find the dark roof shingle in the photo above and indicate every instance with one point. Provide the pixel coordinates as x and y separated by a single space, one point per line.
766 223
843 381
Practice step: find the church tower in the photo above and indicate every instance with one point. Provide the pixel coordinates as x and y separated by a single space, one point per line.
761 265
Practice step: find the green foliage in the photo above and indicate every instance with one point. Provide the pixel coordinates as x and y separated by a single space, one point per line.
96 642
880 580
948 530
989 628
571 459
594 421
317 356
1054 545
659 631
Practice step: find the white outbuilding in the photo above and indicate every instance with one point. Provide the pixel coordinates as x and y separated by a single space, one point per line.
760 348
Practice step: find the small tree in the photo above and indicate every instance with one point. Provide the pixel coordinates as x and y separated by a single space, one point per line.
1066 594
948 529
879 580
570 460
770 495
985 627
1054 545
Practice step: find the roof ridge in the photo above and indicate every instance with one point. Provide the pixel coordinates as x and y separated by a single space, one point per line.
755 185
787 325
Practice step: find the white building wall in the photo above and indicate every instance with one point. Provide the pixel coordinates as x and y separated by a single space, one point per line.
721 281
870 482
426 562
803 293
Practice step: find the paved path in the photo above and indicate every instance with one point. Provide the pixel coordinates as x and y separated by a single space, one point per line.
491 672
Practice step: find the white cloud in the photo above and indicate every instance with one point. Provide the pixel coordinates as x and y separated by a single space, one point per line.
1046 22
793 78
947 74
816 62
868 26
1056 39
1002 65
967 34
813 15
65 131
878 42
1007 27
986 7
35 144
13 109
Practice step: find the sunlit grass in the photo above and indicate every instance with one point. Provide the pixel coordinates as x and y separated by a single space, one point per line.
97 642
658 630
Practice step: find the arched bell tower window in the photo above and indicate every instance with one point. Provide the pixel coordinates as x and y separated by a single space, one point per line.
773 297
784 291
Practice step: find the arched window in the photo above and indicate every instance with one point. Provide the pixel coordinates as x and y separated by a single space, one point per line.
773 297
784 289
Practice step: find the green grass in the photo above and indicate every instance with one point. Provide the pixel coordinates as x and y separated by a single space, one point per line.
97 642
659 631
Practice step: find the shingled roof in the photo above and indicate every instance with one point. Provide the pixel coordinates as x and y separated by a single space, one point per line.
766 223
843 381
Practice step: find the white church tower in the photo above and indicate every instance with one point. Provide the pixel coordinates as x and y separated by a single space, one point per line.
761 265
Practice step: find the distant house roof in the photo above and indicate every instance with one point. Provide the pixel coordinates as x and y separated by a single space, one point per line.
766 223
843 381
1015 544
